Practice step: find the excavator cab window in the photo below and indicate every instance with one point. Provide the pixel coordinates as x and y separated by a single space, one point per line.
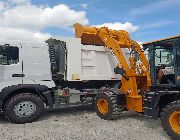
164 63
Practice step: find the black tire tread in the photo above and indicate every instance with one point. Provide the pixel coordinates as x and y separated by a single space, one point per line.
163 118
115 110
12 117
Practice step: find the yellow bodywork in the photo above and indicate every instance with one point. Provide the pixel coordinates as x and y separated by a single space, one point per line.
116 40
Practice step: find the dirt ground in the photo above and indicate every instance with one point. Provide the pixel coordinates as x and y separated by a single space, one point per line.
82 123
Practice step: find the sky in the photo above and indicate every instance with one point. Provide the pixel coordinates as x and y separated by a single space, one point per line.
38 20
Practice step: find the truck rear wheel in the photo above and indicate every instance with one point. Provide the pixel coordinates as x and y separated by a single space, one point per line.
170 119
24 108
106 106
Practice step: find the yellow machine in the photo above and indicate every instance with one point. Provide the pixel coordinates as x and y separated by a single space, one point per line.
139 89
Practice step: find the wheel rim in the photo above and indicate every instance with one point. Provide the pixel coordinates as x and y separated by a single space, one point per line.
103 106
174 121
25 109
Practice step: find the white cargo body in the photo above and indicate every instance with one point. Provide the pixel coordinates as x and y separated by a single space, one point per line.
87 62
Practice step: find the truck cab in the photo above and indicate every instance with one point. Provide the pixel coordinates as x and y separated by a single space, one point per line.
24 64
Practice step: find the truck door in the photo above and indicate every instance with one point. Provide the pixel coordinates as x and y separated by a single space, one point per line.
10 66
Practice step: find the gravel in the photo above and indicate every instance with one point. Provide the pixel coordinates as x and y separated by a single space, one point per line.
82 123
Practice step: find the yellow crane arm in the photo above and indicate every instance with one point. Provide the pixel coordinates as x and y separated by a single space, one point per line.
115 40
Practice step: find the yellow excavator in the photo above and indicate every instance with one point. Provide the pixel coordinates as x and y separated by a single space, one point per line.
150 87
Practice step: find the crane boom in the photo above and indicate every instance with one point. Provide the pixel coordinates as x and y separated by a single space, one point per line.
134 84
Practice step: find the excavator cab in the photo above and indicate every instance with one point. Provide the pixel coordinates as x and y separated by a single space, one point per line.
164 61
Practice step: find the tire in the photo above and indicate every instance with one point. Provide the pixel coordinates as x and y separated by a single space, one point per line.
173 130
24 108
113 110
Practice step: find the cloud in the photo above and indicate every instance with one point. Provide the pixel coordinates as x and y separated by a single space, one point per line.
21 20
120 26
8 33
84 5
155 7
31 16
3 5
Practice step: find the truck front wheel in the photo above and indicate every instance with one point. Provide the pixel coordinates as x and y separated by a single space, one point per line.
24 108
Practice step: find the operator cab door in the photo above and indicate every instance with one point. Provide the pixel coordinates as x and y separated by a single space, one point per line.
164 64
177 64
10 66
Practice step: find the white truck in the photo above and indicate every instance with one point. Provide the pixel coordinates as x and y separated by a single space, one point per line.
34 76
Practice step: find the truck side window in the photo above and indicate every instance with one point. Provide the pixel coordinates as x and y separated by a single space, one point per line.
9 55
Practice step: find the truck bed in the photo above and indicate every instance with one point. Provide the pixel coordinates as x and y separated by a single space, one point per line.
78 62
